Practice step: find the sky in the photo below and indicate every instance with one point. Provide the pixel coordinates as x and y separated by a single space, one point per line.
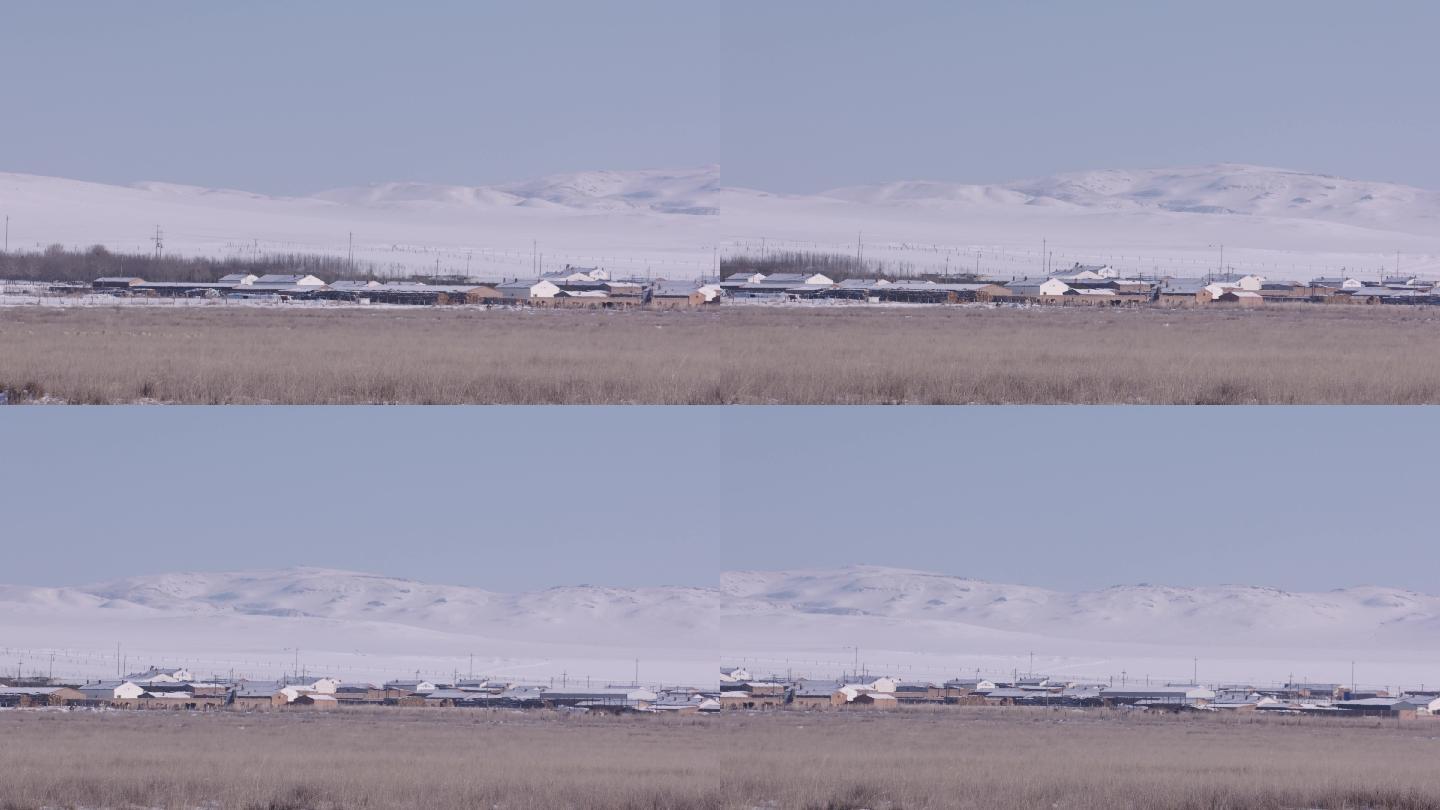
845 92
290 98
519 498
799 96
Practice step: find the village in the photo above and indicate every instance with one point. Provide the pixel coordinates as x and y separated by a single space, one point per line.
739 690
742 690
177 688
583 287
594 288
1085 285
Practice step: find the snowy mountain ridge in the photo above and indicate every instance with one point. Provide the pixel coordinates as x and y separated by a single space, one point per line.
1226 189
857 591
661 191
1150 612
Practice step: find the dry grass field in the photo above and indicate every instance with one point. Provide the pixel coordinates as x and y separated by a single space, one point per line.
440 759
729 354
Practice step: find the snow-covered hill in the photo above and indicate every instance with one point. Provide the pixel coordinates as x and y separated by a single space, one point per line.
369 626
1277 222
1127 612
1233 189
925 623
914 621
632 222
1283 224
689 192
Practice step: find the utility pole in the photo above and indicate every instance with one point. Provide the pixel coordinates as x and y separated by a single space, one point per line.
350 254
159 243
7 233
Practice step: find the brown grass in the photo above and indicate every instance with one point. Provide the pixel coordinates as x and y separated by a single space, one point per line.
237 354
441 759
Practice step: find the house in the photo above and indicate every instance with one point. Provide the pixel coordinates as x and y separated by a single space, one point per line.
631 697
286 281
155 675
675 295
1425 705
1325 691
919 693
1249 282
575 275
25 697
411 687
1399 708
875 683
798 279
873 701
744 699
239 279
738 279
1086 272
1159 696
315 702
524 290
817 695
1337 283
1180 292
360 693
1037 288
258 695
678 703
1243 298
111 690
734 674
1381 295
354 286
965 685
116 282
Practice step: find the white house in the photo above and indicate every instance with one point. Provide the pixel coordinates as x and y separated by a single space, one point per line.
1087 272
744 278
525 290
574 275
112 690
287 280
239 279
1337 282
161 675
413 687
1423 704
798 279
734 675
1054 286
881 683
711 291
971 684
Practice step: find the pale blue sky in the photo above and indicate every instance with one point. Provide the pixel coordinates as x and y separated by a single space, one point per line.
848 91
517 498
285 97
802 95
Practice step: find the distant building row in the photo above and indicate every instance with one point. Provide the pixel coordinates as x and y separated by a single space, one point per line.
1086 285
573 286
739 690
178 688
